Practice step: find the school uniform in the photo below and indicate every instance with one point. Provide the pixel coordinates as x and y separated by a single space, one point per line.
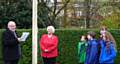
92 52
107 56
82 51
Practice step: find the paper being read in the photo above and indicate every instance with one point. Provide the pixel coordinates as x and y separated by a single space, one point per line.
24 36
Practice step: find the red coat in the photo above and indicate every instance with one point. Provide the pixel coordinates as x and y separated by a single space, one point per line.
50 44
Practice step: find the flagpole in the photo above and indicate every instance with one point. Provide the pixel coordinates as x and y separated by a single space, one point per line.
34 32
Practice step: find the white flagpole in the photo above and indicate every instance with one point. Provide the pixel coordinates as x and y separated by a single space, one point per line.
34 32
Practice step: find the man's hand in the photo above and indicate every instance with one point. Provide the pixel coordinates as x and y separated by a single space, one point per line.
19 40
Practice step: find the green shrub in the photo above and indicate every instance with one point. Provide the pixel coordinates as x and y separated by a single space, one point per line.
26 48
68 40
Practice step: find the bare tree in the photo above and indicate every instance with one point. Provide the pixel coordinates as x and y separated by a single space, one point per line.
53 10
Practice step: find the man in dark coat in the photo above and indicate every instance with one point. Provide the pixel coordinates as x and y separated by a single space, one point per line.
11 44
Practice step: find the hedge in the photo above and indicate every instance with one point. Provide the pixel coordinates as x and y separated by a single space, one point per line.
67 47
26 48
68 40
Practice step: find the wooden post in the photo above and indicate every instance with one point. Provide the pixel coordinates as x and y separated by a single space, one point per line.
34 32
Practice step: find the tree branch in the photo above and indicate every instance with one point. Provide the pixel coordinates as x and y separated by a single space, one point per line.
62 7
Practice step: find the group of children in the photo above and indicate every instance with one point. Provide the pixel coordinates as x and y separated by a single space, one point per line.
93 51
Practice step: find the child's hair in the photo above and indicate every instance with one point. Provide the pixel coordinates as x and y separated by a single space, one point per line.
107 40
84 36
92 34
103 27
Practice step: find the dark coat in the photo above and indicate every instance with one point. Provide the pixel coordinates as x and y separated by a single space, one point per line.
11 47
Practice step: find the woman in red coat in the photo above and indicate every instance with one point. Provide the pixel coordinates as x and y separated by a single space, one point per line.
48 46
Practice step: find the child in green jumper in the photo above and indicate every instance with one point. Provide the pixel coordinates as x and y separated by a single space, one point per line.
82 45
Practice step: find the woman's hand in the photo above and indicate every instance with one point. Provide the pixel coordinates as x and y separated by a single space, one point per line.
46 50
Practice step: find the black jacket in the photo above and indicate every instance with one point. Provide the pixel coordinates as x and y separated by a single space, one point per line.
11 47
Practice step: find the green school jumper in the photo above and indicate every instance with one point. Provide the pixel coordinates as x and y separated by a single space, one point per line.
82 51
